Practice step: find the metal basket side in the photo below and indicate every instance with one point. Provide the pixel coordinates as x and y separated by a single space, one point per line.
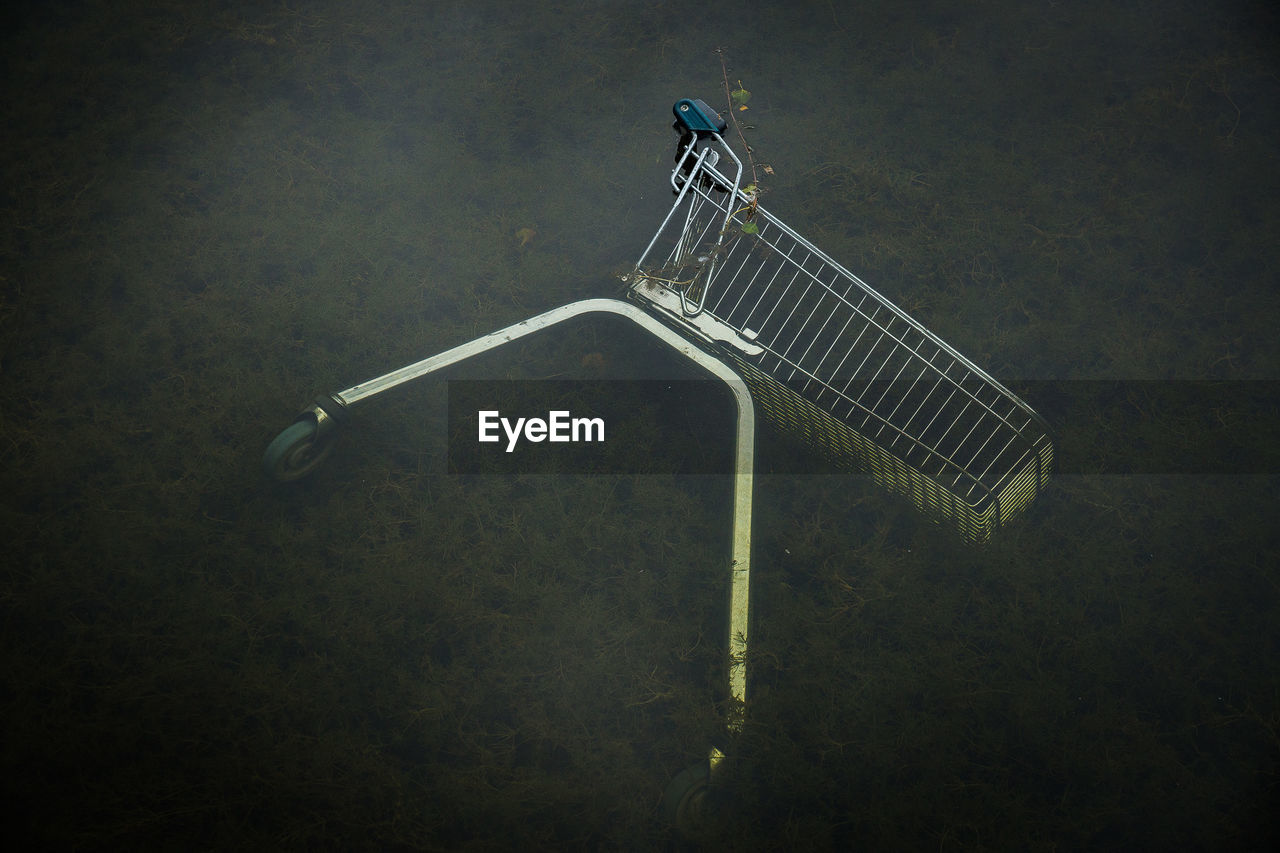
846 447
1022 487
833 361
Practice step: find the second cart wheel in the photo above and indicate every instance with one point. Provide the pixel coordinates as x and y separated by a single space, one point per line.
685 802
295 452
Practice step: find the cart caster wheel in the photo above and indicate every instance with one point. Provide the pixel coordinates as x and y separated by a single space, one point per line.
296 452
686 803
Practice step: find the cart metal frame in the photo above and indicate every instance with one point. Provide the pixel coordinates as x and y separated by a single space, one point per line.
830 359
752 303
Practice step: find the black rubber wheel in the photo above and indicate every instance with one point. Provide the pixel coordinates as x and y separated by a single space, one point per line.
295 453
684 804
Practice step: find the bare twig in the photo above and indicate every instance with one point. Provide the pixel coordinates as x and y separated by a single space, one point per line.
728 98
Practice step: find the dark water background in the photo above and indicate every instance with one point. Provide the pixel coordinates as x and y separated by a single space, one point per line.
213 211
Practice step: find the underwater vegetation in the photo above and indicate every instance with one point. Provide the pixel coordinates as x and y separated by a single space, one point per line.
212 214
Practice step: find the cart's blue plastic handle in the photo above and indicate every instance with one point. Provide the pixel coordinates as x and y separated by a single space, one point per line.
694 115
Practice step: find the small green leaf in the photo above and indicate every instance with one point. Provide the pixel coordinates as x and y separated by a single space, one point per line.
740 95
750 228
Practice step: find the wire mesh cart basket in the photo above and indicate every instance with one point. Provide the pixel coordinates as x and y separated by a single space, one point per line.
824 356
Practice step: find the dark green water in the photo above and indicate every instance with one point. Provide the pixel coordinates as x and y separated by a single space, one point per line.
212 214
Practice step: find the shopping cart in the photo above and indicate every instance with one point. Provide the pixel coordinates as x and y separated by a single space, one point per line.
826 357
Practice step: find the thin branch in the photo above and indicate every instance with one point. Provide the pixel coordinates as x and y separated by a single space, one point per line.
728 99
